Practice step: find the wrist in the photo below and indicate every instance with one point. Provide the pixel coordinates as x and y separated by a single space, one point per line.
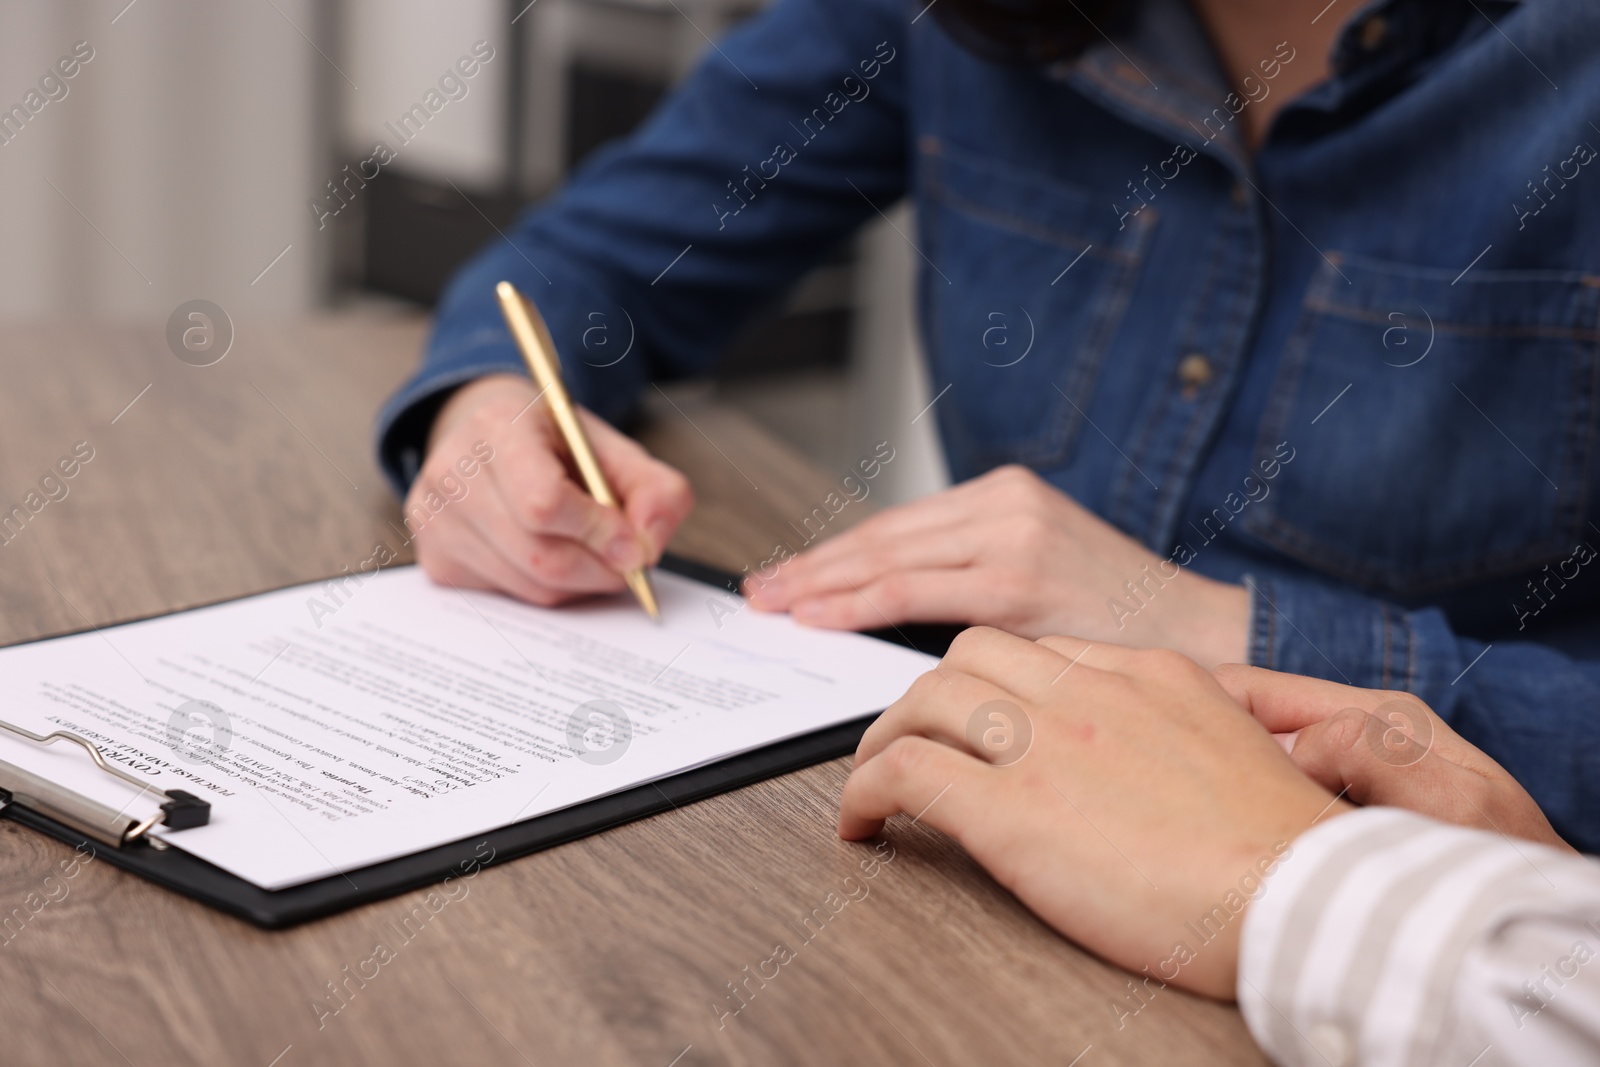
1240 875
469 397
1215 628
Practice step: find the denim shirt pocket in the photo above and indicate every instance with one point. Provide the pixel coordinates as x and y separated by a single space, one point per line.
1440 428
1028 280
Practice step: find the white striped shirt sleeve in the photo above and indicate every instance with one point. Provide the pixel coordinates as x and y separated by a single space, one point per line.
1387 938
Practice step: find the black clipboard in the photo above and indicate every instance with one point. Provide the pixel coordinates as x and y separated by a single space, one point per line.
276 909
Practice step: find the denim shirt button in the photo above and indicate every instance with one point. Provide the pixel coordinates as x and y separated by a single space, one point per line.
1374 32
1195 372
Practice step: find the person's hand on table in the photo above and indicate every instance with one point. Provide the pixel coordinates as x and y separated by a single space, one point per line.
1378 746
1011 551
1146 796
524 524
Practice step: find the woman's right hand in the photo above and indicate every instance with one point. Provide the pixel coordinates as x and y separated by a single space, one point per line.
1378 746
498 506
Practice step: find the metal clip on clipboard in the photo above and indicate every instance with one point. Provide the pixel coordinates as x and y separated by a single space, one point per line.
25 789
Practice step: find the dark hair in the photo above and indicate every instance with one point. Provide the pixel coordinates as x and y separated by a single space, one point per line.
1025 32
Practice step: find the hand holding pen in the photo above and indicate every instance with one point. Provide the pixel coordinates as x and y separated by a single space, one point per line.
524 524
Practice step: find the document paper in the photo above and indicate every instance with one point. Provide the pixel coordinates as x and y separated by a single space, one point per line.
337 725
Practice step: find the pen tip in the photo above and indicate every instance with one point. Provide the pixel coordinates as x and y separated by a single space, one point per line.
639 582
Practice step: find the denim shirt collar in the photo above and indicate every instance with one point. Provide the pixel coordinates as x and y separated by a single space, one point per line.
1159 71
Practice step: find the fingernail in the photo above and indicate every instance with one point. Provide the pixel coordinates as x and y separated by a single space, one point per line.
808 610
623 551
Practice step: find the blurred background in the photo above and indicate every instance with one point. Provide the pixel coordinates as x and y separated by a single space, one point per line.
214 149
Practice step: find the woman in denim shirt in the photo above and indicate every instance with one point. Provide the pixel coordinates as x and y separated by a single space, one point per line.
1314 296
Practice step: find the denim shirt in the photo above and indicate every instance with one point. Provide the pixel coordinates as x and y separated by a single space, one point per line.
1356 371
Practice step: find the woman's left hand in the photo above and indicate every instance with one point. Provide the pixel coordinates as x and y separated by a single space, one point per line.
1011 551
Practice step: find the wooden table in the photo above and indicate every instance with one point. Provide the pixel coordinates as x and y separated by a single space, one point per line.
619 949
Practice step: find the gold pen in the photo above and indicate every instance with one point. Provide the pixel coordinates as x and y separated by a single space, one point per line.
539 352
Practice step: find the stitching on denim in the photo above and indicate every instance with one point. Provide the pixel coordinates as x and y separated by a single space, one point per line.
1231 157
1269 526
1457 329
1208 419
1084 372
1296 544
1388 645
1053 446
1411 653
1122 499
937 190
939 151
1099 58
1582 425
1483 276
1262 623
1284 386
1271 613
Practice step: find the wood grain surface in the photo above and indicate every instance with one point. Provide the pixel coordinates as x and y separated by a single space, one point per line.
619 949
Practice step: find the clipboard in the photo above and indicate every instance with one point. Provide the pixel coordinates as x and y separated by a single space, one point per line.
37 805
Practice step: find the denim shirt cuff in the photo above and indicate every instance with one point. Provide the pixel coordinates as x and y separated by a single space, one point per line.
1305 627
404 422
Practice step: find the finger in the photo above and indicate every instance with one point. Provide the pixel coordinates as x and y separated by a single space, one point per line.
1100 655
454 545
887 530
567 565
1013 665
538 492
1347 752
857 561
655 497
1284 703
888 527
1067 645
939 706
448 557
946 789
1367 756
963 595
557 563
447 569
